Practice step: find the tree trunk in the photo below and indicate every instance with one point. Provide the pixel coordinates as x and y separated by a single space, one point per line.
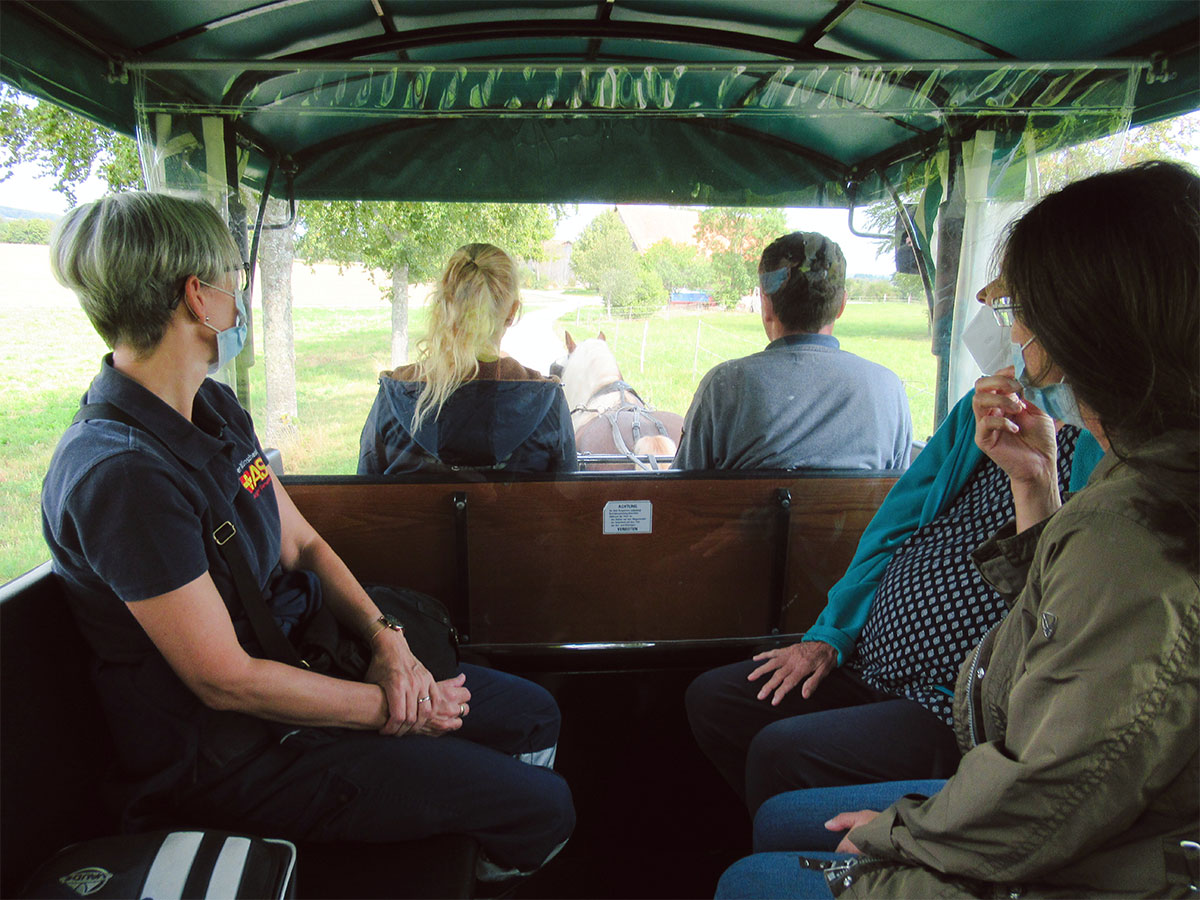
399 315
275 255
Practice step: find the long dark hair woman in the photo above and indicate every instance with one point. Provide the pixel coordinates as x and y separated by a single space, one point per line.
1078 715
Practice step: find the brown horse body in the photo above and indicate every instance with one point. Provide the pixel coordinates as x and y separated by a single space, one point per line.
608 415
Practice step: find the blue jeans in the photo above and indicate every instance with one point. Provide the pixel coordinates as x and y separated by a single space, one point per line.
796 820
790 827
775 875
337 784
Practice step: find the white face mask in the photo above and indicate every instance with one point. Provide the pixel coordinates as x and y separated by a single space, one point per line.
988 341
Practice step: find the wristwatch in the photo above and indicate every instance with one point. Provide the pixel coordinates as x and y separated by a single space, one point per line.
385 621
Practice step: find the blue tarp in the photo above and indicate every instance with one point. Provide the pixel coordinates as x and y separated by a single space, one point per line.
691 297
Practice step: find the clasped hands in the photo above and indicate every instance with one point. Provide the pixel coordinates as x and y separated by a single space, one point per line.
416 703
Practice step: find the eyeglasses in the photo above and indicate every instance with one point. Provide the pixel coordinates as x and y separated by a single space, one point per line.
1004 310
243 279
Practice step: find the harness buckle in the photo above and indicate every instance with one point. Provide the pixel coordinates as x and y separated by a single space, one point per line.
223 533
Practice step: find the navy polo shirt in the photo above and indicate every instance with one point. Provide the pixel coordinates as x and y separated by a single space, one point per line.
123 515
123 512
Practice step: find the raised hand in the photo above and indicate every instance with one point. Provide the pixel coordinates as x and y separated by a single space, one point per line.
1020 439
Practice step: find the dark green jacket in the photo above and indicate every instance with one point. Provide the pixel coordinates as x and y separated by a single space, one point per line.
1077 715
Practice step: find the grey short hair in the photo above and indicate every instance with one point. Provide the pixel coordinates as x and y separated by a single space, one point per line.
127 257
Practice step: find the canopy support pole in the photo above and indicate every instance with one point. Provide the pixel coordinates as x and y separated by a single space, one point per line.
950 220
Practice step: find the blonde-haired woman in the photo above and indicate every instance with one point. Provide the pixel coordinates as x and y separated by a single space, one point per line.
463 404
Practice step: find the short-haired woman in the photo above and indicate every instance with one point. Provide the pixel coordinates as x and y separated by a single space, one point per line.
1078 715
464 404
208 731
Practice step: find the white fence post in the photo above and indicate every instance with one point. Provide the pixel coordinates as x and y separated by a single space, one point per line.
642 360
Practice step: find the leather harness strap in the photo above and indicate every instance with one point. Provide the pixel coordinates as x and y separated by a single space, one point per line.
612 388
613 414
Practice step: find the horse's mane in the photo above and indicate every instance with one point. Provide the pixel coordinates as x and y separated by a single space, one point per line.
590 367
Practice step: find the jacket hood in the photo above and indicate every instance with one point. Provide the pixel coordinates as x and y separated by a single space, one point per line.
481 424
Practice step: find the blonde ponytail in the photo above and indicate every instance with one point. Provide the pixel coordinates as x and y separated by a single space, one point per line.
468 312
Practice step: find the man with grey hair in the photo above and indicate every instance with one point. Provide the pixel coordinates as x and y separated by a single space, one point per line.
802 402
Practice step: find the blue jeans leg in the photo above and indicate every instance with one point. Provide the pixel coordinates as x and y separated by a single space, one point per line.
887 741
796 820
775 875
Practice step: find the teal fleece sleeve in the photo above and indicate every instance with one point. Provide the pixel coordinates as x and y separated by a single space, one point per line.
922 493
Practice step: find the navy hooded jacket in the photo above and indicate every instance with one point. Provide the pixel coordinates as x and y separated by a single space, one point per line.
509 417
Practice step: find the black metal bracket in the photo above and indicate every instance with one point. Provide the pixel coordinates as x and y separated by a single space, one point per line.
462 558
779 567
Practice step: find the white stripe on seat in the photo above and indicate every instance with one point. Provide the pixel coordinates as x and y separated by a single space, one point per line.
227 871
171 866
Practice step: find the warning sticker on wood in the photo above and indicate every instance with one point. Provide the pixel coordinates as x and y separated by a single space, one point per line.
628 517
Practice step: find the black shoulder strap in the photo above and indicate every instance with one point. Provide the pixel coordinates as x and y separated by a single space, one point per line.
107 411
266 629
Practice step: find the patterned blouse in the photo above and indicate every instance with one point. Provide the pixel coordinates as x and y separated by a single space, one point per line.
932 605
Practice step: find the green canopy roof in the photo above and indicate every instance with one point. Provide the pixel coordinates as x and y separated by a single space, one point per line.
763 102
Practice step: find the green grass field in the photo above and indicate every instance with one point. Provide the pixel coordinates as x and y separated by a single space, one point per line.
48 360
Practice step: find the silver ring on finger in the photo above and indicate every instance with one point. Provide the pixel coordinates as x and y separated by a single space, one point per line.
422 699
462 710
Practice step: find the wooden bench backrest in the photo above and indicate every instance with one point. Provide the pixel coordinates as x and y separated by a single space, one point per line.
540 569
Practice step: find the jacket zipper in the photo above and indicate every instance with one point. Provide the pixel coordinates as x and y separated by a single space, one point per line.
971 693
839 875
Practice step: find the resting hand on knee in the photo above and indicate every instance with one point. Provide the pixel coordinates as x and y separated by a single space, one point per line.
809 661
847 821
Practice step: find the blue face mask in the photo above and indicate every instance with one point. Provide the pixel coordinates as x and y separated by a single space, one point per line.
231 340
1056 400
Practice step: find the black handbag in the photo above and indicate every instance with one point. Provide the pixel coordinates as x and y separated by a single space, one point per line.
169 864
326 647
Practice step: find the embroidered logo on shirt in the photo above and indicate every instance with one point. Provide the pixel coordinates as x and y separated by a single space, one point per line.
255 476
1049 623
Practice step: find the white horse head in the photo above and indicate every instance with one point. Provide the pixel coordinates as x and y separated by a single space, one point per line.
590 365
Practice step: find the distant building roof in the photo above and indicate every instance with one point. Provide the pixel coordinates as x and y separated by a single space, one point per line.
650 224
